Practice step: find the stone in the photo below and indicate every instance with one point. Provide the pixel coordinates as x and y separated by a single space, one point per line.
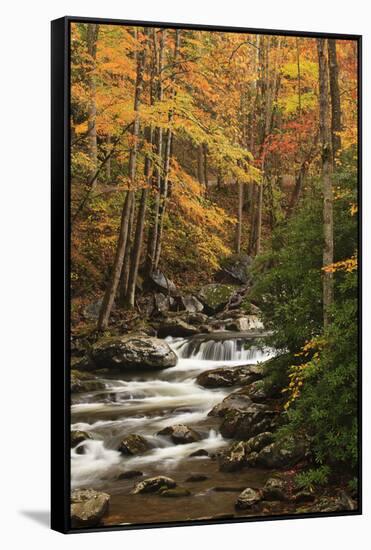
133 444
248 499
199 452
130 474
217 378
196 477
133 351
285 453
303 496
82 382
191 303
215 296
246 323
162 303
340 503
88 507
238 267
91 311
159 280
275 489
180 434
153 485
176 327
175 493
78 436
229 376
235 457
259 441
242 418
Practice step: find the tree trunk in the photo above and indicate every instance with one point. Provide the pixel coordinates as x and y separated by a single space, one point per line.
108 163
111 290
92 38
165 181
124 279
206 176
109 295
325 135
200 163
259 216
159 48
138 239
299 74
239 217
335 97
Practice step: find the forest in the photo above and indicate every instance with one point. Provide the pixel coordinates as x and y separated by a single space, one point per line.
214 274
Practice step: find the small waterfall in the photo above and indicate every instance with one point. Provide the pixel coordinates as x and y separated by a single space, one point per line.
219 349
146 402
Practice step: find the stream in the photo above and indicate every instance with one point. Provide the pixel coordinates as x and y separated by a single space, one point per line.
146 403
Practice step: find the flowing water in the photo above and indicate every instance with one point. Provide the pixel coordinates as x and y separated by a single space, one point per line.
146 403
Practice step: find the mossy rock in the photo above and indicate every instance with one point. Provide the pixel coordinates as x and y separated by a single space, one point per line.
216 296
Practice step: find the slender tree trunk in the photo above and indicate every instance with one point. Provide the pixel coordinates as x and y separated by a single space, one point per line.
165 181
111 290
259 220
124 279
200 163
109 295
108 163
335 97
299 74
206 176
159 47
92 38
325 135
239 217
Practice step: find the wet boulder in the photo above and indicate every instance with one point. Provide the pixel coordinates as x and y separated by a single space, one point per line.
248 499
260 441
196 477
180 434
229 376
88 507
175 493
275 489
129 474
153 485
246 424
233 402
199 453
284 453
78 436
176 327
133 444
245 323
217 378
215 296
133 351
162 303
235 457
242 418
243 453
84 382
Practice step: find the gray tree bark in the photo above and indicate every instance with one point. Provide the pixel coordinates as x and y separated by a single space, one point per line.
326 153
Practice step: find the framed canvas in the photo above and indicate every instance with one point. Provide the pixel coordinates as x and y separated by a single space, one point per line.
206 195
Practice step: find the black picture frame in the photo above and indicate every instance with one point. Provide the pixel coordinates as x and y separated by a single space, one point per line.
60 270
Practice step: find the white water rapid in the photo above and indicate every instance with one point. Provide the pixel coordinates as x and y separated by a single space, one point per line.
148 402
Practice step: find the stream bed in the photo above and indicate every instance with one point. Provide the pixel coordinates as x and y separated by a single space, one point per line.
146 403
